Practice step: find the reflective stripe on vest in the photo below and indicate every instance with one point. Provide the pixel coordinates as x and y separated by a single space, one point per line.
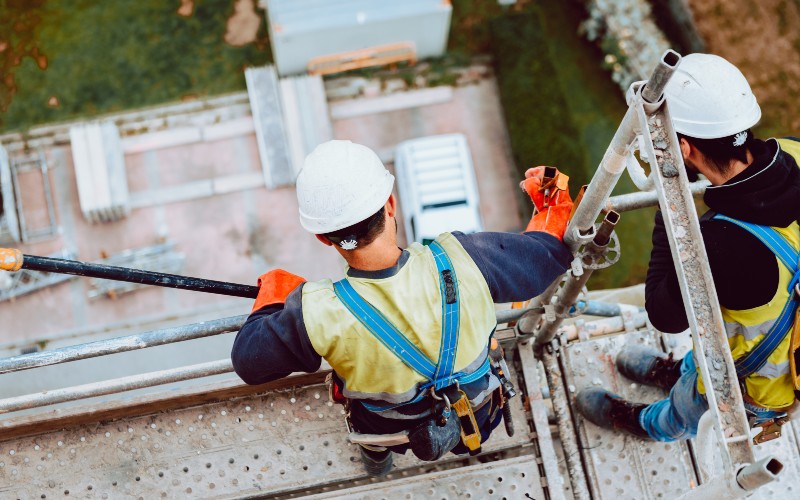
789 257
439 375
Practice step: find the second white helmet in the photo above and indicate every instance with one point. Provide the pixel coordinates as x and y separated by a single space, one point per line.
710 98
341 183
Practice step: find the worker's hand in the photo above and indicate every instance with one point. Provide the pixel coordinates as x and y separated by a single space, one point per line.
552 200
531 185
274 287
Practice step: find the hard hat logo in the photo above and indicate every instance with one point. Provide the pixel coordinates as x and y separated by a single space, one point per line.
341 183
348 244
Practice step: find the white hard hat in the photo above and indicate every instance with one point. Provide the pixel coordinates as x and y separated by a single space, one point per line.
710 98
341 184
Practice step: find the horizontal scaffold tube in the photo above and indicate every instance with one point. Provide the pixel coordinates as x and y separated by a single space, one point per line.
114 386
121 344
141 381
589 308
644 199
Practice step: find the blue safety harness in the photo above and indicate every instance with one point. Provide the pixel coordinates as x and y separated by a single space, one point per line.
790 258
438 375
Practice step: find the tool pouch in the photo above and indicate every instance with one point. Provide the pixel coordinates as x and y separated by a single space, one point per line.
430 441
794 352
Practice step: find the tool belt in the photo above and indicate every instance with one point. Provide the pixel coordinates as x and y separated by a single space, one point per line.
441 431
449 423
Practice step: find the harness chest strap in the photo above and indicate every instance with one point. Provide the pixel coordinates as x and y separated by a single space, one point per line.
439 375
789 258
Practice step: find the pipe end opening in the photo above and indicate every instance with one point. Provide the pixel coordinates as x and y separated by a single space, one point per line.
774 466
671 58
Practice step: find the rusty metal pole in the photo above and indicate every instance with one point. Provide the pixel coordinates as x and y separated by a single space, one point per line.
13 260
566 430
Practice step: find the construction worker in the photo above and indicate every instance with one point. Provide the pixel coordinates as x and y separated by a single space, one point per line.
749 231
407 332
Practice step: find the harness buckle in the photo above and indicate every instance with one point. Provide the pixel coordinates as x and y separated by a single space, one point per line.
470 433
770 429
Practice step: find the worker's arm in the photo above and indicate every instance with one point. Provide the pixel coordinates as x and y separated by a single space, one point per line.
273 342
662 293
516 266
745 273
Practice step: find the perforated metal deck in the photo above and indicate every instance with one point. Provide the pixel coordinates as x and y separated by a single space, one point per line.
620 466
507 479
279 443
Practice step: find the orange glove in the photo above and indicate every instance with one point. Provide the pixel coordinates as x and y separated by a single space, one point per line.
553 202
274 287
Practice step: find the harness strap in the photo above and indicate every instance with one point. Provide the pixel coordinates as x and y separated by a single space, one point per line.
789 257
383 330
448 287
438 375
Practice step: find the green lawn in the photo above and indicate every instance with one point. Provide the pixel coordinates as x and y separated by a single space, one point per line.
110 55
562 109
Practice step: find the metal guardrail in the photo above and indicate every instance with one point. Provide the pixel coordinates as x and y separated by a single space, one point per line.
173 335
121 344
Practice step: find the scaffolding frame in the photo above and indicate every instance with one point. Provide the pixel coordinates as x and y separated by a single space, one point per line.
28 163
646 127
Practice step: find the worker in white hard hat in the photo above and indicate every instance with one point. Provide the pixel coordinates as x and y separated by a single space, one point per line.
752 240
408 331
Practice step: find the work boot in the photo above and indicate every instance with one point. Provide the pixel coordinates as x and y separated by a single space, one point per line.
376 463
649 366
610 411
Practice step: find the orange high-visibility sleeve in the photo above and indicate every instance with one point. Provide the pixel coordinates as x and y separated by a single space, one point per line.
274 287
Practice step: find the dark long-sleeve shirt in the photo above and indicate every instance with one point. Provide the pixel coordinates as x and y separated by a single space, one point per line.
745 271
274 342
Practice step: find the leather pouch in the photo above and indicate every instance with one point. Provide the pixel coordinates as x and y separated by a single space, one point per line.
430 441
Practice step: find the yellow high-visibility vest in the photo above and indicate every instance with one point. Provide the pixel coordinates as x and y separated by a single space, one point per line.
411 301
771 386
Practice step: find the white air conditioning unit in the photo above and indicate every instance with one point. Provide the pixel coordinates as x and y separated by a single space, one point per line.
100 171
302 30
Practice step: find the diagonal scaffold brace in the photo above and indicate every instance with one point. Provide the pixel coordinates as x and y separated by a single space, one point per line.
13 260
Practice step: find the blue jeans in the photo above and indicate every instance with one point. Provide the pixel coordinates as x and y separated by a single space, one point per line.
676 417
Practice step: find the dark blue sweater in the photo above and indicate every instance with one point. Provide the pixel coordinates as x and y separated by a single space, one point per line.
274 342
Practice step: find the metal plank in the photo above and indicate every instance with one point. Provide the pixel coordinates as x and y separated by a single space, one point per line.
502 479
263 91
275 443
544 439
619 466
352 108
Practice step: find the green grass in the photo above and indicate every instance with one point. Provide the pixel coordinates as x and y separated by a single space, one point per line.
562 109
114 55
